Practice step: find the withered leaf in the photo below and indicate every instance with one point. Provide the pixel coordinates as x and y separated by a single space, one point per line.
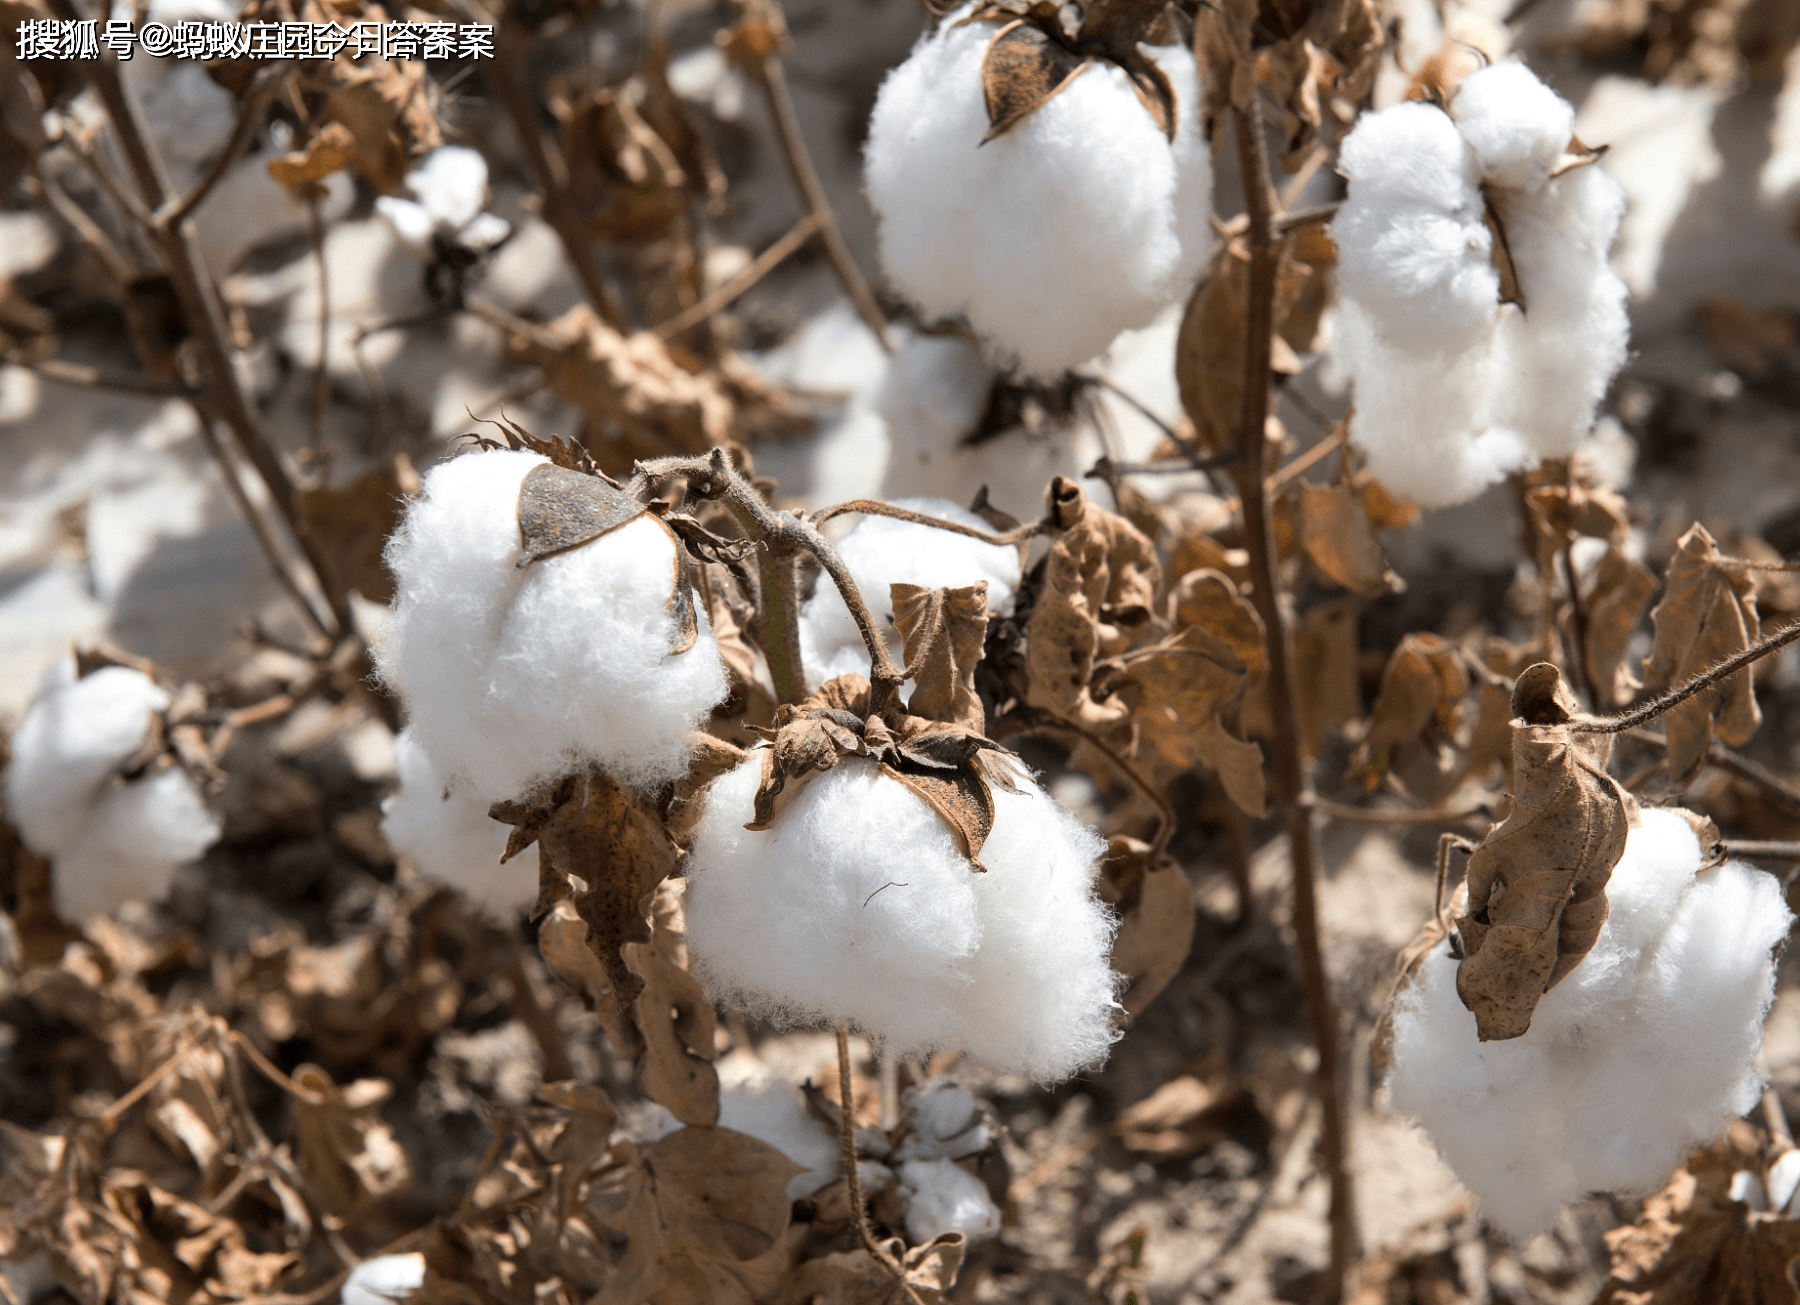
1100 579
1210 600
562 939
560 509
943 632
1222 43
856 1278
1693 1242
349 527
1502 257
347 1153
1024 66
1622 589
1707 613
1185 1115
1304 289
1209 351
1415 716
178 1250
1156 926
386 106
696 1210
1338 536
1537 883
676 1020
331 147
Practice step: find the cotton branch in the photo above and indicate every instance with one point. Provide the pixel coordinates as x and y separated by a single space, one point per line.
1705 680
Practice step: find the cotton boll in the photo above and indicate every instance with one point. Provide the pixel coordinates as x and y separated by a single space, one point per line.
1516 125
445 831
448 189
1080 222
138 835
514 676
384 1279
758 1102
942 1122
1647 1048
938 1197
883 551
856 905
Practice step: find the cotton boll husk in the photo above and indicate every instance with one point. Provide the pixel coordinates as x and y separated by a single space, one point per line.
444 830
1413 251
856 905
883 551
64 753
1080 222
1423 420
1517 126
1647 1048
513 676
1560 354
756 1101
939 1197
384 1279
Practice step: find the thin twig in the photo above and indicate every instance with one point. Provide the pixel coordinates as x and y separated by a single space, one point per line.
118 1108
90 378
1165 814
876 508
1577 630
315 226
1396 816
859 1216
764 263
1105 468
1306 217
1293 783
173 213
1705 680
806 179
1744 768
1767 851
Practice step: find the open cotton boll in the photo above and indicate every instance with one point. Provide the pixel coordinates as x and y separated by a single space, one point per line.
512 677
384 1279
111 840
856 905
756 1101
1647 1048
1517 126
938 1197
1080 222
943 1121
448 189
883 551
444 830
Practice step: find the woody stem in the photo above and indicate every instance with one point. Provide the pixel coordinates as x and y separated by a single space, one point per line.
1705 680
1293 783
859 1216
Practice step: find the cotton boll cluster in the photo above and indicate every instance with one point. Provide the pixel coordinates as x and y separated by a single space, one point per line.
856 905
448 189
943 1123
883 551
514 676
444 830
112 839
1454 390
1678 984
1081 221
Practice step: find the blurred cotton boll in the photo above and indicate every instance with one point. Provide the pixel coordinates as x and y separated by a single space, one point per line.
112 840
939 1197
1647 1048
444 830
448 189
857 906
884 551
513 676
384 1279
1082 221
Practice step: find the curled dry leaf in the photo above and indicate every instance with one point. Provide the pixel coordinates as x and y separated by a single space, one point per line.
626 175
856 1278
1707 613
1210 600
1209 351
1490 740
333 146
346 1151
1621 591
179 1250
704 1212
1537 882
1155 903
1415 718
943 632
385 104
1339 538
1186 1115
1100 580
1693 1242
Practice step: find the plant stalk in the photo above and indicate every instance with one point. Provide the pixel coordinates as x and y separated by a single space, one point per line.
1293 783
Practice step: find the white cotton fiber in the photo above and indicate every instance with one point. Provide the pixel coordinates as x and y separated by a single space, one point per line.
856 905
1646 1049
943 1121
883 551
448 189
384 1279
1454 390
444 830
939 1197
111 840
1080 222
513 677
756 1101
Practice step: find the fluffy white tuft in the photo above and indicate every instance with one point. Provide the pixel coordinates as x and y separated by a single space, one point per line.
1082 221
444 830
513 677
883 551
384 1279
448 189
756 1101
112 840
1453 389
943 1121
939 1197
1647 1048
856 905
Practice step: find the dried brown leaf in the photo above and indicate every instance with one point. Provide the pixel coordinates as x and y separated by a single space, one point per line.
1222 44
1209 351
1155 903
676 1020
943 632
562 939
1185 1115
1100 580
856 1278
347 1153
333 146
1338 536
1415 716
1537 883
1501 256
349 527
1749 341
1621 592
386 106
1178 689
1707 613
1304 288
1208 599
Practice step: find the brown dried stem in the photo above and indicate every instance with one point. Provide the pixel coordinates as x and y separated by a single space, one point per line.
1293 783
876 508
725 295
225 397
90 378
852 1180
1767 851
1705 680
1165 814
769 74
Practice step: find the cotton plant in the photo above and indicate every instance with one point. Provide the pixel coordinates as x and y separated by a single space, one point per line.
1049 184
1477 316
91 786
